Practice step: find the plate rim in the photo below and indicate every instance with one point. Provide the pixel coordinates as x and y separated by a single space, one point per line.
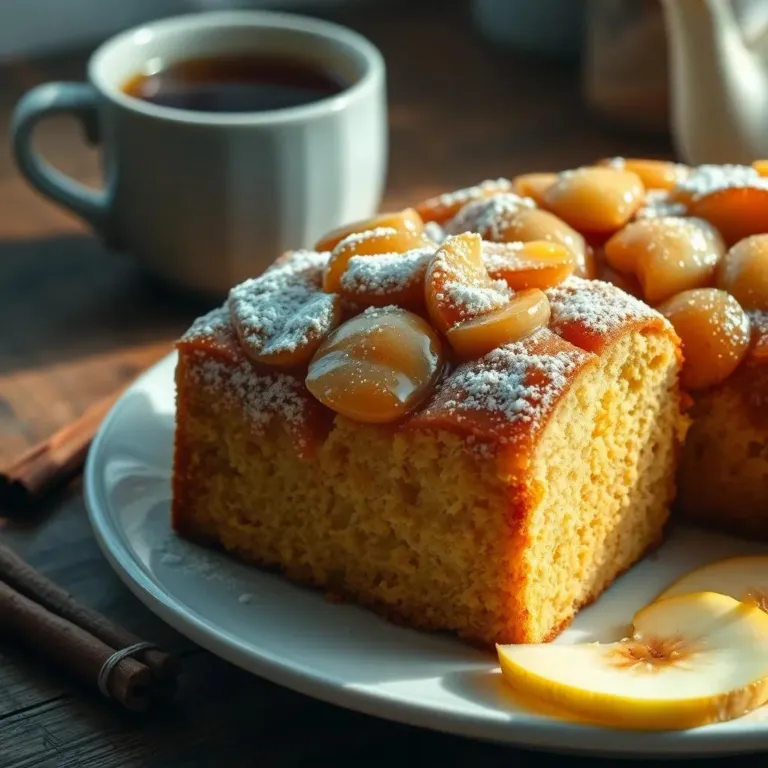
524 731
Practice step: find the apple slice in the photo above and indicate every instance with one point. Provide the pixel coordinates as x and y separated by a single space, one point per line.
742 578
737 212
692 660
457 286
407 220
526 312
667 255
536 264
372 242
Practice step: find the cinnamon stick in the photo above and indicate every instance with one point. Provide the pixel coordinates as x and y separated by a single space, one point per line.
73 648
52 462
22 577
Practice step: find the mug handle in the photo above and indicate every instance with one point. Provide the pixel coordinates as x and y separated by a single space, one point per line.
81 101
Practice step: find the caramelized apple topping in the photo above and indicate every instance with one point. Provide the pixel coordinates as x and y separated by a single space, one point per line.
744 272
407 220
457 285
378 366
372 242
666 255
282 316
526 312
536 264
715 332
490 265
595 199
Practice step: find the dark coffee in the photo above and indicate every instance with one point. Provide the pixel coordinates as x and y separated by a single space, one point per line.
249 83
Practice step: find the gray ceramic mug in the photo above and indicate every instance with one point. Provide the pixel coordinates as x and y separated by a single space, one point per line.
206 200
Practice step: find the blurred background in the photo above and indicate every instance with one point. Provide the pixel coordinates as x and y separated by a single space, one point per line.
602 61
619 44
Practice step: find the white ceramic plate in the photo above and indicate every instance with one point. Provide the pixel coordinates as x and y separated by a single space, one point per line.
342 653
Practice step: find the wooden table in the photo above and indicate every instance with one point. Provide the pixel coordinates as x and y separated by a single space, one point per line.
77 321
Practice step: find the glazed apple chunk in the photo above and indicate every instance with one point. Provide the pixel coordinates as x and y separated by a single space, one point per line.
407 220
457 285
476 312
526 312
378 366
715 332
373 242
533 224
733 198
510 218
595 199
666 255
536 264
744 272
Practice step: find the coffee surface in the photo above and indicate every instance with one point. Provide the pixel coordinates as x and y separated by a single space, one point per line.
252 83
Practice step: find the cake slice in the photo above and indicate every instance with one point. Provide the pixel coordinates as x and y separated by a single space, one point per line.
525 484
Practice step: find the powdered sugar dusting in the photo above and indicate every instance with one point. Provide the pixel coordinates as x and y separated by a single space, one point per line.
262 396
195 561
285 308
517 384
216 325
386 275
434 232
595 306
705 179
472 300
356 238
759 349
501 257
483 189
488 216
459 288
658 204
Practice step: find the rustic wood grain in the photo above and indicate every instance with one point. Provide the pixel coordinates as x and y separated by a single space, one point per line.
77 321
